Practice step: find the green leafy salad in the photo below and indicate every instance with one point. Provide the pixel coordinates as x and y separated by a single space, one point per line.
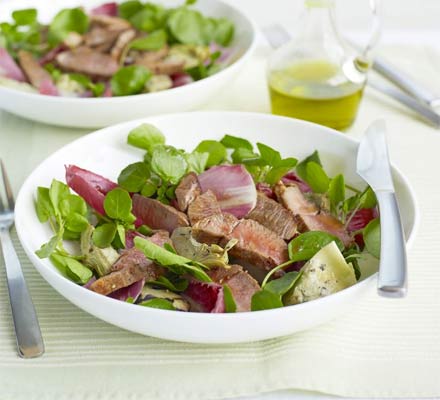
227 227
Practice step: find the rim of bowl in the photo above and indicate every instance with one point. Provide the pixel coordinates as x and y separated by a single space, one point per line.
155 95
249 314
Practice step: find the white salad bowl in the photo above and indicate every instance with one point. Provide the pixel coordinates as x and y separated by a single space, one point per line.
106 152
99 112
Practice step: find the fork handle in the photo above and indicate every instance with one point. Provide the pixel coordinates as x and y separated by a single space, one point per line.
27 330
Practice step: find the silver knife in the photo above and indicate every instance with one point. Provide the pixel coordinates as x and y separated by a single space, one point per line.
373 166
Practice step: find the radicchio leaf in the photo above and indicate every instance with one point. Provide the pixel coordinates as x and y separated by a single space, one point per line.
109 9
209 296
291 177
133 291
9 68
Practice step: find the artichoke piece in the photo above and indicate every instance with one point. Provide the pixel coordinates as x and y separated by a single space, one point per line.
158 83
100 260
178 302
325 273
192 55
210 255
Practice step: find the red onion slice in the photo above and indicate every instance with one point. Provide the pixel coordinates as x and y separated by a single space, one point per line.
109 9
9 68
134 290
233 186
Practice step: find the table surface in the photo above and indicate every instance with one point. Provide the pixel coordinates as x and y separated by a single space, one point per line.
24 144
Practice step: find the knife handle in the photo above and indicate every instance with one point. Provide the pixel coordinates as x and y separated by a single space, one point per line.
392 280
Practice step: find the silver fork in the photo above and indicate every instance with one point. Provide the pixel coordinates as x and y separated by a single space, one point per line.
27 330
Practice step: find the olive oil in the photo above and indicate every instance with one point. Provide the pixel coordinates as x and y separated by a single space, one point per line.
316 91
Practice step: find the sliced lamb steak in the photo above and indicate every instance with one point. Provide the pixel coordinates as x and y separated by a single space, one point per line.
242 285
187 191
35 73
273 216
100 36
86 61
214 228
109 22
294 200
123 40
204 206
131 267
157 215
257 245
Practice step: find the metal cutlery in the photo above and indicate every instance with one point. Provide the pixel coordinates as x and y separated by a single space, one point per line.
412 95
374 167
27 330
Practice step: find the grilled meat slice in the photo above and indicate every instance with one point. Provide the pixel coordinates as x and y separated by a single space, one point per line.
35 73
273 216
205 205
158 63
110 23
157 215
83 60
101 37
187 191
123 40
242 285
326 223
214 228
131 267
257 245
294 200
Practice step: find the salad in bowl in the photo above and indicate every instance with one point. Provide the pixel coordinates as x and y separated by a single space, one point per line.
228 227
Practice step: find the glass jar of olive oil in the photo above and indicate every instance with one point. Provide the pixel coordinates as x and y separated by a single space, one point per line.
315 77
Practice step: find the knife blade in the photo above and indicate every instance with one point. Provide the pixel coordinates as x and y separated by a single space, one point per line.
374 167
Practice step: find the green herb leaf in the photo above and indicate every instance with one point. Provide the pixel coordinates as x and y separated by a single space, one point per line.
268 155
282 285
57 192
224 31
72 203
66 21
130 80
43 205
154 41
76 222
163 304
301 167
371 235
25 17
196 161
306 245
129 8
317 178
149 189
146 136
71 268
133 177
103 235
169 164
368 199
265 300
336 191
230 306
216 151
187 26
48 248
177 285
234 142
120 230
118 204
145 230
243 155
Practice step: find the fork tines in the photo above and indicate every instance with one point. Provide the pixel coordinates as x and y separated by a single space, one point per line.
8 189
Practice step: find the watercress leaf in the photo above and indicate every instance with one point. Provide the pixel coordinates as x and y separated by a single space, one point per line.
120 230
301 167
282 285
129 8
289 162
187 26
197 162
275 174
133 177
72 203
149 189
336 191
130 80
178 285
69 235
269 155
66 21
371 235
243 155
57 192
169 164
130 300
230 305
48 248
190 2
154 41
146 136
103 235
77 271
197 272
216 151
163 304
76 222
145 230
306 245
234 142
265 300
43 204
317 178
118 204
224 31
368 199
25 17
97 88
60 264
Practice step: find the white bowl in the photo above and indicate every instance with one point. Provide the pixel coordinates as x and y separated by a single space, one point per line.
106 153
99 112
